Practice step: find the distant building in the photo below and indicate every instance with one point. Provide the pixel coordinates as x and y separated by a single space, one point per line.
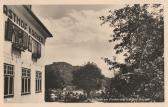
24 42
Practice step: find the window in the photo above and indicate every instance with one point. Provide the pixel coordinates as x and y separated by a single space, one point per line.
39 50
30 44
26 76
38 81
34 46
8 80
36 49
8 30
16 35
21 40
13 33
25 40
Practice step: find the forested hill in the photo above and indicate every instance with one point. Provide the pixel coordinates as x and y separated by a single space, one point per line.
63 69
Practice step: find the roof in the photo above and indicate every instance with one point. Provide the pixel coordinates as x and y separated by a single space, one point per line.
37 19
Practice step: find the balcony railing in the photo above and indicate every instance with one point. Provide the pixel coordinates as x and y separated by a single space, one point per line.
18 46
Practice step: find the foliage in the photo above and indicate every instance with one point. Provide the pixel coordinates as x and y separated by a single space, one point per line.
53 79
139 34
88 77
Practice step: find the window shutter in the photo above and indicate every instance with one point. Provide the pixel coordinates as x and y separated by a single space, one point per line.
36 46
30 44
25 40
39 49
33 46
8 30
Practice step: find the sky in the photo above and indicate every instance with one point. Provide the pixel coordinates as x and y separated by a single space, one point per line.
78 36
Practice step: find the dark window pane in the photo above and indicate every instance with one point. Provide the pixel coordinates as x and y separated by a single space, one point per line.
36 84
25 85
9 31
8 69
6 85
29 85
11 85
40 85
22 85
6 30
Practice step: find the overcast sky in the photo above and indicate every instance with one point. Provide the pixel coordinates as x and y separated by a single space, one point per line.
78 36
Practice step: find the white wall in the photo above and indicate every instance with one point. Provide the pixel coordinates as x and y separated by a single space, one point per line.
24 61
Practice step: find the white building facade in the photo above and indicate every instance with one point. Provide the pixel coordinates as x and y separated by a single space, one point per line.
24 44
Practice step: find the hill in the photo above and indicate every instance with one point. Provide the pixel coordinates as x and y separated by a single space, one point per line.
64 69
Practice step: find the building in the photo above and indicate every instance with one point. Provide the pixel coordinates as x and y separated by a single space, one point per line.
24 42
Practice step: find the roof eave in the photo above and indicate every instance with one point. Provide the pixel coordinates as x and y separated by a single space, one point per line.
37 19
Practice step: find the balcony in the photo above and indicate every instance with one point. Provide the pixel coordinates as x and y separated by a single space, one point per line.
18 46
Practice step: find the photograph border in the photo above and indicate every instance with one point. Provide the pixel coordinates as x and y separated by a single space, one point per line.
69 2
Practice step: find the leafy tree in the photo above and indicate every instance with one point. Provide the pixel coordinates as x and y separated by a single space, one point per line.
53 79
88 78
139 35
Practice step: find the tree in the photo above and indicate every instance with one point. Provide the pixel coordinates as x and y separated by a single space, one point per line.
53 79
139 35
88 78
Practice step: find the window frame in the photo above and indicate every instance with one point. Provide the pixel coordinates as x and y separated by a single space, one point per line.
38 82
25 81
9 74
